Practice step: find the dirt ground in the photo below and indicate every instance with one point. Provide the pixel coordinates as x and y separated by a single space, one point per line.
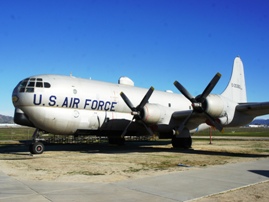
107 163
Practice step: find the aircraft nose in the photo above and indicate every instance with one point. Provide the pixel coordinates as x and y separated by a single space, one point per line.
15 96
21 119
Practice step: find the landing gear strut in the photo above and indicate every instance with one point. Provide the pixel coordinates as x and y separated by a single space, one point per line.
36 147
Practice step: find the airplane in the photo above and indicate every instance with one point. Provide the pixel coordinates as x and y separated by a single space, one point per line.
66 105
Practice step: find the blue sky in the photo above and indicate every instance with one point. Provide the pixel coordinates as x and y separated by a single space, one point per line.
154 42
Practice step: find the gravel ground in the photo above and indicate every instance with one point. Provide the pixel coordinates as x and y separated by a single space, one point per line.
107 163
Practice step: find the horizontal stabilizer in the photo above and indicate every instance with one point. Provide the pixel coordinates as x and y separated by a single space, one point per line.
254 108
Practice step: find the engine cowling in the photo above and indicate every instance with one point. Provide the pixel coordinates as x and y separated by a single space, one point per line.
153 113
215 105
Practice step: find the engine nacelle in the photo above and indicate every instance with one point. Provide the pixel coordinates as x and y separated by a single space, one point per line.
215 105
154 113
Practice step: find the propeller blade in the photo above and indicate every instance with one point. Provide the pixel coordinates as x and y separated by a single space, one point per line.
136 110
214 122
147 128
184 91
197 102
126 128
209 87
145 99
127 101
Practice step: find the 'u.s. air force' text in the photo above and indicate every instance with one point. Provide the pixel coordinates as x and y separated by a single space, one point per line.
73 102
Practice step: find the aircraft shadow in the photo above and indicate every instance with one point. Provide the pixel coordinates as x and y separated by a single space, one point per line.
261 172
129 147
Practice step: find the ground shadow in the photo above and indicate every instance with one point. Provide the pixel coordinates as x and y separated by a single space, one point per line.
261 172
129 147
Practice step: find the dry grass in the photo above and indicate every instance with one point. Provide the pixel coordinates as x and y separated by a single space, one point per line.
105 163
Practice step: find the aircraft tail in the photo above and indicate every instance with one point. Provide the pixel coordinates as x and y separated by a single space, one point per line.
236 89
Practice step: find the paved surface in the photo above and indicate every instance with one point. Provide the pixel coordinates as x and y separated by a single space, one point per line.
180 186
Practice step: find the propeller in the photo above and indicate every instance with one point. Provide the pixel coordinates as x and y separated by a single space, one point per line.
198 102
136 111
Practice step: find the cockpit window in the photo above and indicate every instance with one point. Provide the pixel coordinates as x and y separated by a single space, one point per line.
29 84
39 84
47 85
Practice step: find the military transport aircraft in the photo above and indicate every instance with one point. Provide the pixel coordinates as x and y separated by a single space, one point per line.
66 105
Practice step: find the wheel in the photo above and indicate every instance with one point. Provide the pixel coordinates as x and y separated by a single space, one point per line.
187 142
184 142
175 142
36 148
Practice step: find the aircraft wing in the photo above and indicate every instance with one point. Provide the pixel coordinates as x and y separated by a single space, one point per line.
192 118
254 108
181 114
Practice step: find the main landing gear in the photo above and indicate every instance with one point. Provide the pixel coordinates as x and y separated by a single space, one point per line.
36 147
182 140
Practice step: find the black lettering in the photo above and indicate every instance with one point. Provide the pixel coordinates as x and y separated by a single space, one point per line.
35 100
71 101
107 106
113 106
87 102
101 104
52 100
76 102
94 104
65 103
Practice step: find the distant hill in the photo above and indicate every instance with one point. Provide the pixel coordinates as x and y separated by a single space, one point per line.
6 119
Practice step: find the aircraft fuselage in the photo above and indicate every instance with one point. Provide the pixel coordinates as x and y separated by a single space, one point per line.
65 104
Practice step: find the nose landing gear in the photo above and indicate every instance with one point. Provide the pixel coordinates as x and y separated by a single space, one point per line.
36 147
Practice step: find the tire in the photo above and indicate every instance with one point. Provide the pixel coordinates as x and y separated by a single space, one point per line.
36 148
184 142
